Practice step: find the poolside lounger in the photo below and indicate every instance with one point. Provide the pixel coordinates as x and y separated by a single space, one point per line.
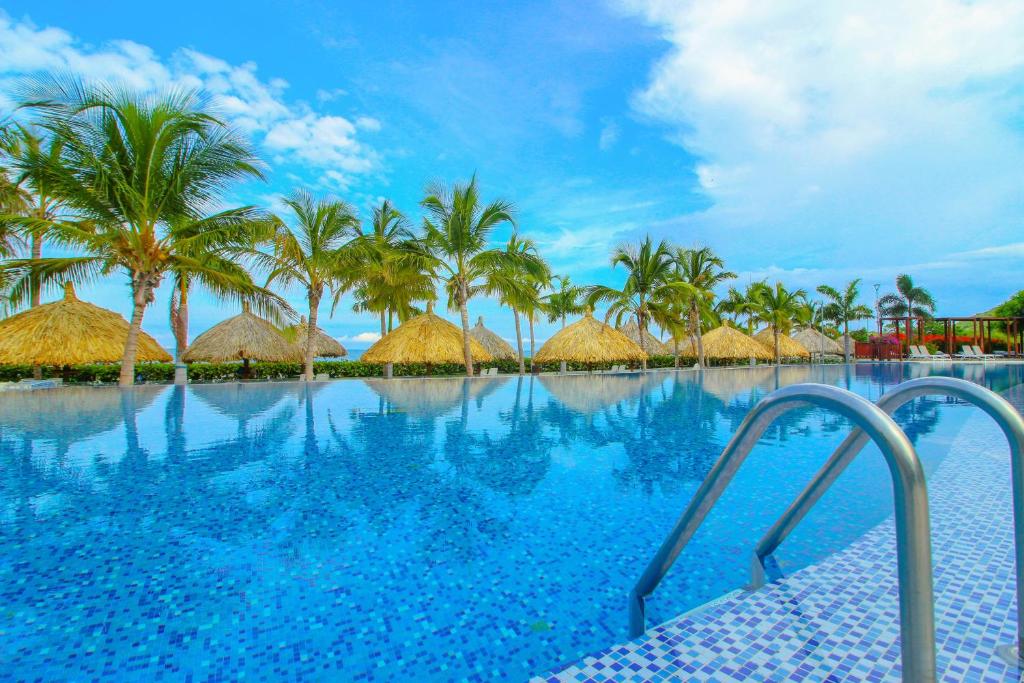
966 352
981 354
916 354
938 355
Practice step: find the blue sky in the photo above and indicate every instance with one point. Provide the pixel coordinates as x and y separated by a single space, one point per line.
804 141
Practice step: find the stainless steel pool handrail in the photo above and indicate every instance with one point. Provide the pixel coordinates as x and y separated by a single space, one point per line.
998 408
913 535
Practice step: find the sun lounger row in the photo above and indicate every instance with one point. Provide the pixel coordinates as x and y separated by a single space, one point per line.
967 352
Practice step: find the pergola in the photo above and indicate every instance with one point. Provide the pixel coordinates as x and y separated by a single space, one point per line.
981 330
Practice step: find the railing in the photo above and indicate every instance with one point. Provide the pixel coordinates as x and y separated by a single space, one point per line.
913 535
1008 419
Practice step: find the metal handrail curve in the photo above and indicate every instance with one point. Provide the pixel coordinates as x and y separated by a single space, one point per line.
913 534
998 408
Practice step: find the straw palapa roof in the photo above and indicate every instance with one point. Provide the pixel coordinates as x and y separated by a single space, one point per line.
495 345
816 342
243 337
589 341
324 345
70 332
427 338
788 347
728 343
655 347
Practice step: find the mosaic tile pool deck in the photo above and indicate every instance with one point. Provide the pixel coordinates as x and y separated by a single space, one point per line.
446 529
839 619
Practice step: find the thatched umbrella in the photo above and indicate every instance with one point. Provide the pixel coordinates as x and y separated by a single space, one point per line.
324 345
589 341
728 343
495 345
70 332
816 342
427 338
788 347
655 347
244 337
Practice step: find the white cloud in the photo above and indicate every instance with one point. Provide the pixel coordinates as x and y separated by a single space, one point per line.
362 338
255 106
845 133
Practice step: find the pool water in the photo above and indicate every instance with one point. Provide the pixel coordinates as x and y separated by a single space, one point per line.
424 529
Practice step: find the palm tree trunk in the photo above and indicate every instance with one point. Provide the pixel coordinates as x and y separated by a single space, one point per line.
675 351
467 353
532 343
641 325
846 341
519 343
314 309
695 319
179 326
142 291
37 290
563 321
775 334
383 323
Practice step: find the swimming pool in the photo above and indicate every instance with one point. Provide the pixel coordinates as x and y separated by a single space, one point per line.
427 529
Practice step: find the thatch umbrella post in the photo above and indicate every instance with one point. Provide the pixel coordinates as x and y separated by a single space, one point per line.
70 332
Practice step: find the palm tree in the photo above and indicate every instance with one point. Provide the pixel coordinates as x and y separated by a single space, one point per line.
31 157
702 270
649 286
513 282
235 235
738 304
457 231
564 301
778 307
909 301
316 253
131 168
842 308
391 277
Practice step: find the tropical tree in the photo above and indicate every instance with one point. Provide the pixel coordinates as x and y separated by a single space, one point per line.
390 275
739 304
513 280
316 252
131 167
565 301
648 290
779 307
458 227
32 156
842 308
908 301
702 270
233 235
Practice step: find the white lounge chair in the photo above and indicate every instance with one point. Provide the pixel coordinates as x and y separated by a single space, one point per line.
981 354
917 354
938 355
967 353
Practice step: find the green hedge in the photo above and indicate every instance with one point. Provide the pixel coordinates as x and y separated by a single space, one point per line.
214 372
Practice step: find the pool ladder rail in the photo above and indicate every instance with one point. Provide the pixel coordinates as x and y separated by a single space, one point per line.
910 501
